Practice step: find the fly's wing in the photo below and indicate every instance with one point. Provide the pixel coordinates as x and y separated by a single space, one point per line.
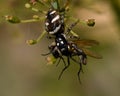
84 44
91 53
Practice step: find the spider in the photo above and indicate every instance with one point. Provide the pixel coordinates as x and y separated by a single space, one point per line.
61 47
70 48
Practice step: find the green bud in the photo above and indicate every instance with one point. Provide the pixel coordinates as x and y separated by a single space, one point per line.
27 5
12 19
35 17
91 22
51 60
33 2
31 42
67 8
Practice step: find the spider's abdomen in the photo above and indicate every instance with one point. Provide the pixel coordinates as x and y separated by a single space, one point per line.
54 23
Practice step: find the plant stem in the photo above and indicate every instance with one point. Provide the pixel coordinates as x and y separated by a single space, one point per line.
42 3
41 36
28 21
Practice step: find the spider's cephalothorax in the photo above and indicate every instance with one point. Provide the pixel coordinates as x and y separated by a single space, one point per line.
54 23
68 48
61 47
62 44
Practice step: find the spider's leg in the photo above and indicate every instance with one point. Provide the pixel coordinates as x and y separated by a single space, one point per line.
63 9
68 60
74 60
46 54
71 26
63 61
50 37
80 69
81 64
58 62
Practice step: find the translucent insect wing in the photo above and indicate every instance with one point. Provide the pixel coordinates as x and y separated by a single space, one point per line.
86 43
92 54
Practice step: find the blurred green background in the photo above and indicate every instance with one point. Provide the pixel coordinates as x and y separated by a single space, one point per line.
24 72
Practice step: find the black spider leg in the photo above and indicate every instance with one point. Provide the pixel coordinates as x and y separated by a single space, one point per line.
46 54
77 63
80 63
63 9
79 53
80 69
50 36
74 60
68 60
60 60
71 26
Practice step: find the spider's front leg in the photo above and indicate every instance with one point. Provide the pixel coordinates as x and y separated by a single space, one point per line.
68 60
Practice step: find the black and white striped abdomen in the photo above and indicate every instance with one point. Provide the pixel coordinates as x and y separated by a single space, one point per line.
54 24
